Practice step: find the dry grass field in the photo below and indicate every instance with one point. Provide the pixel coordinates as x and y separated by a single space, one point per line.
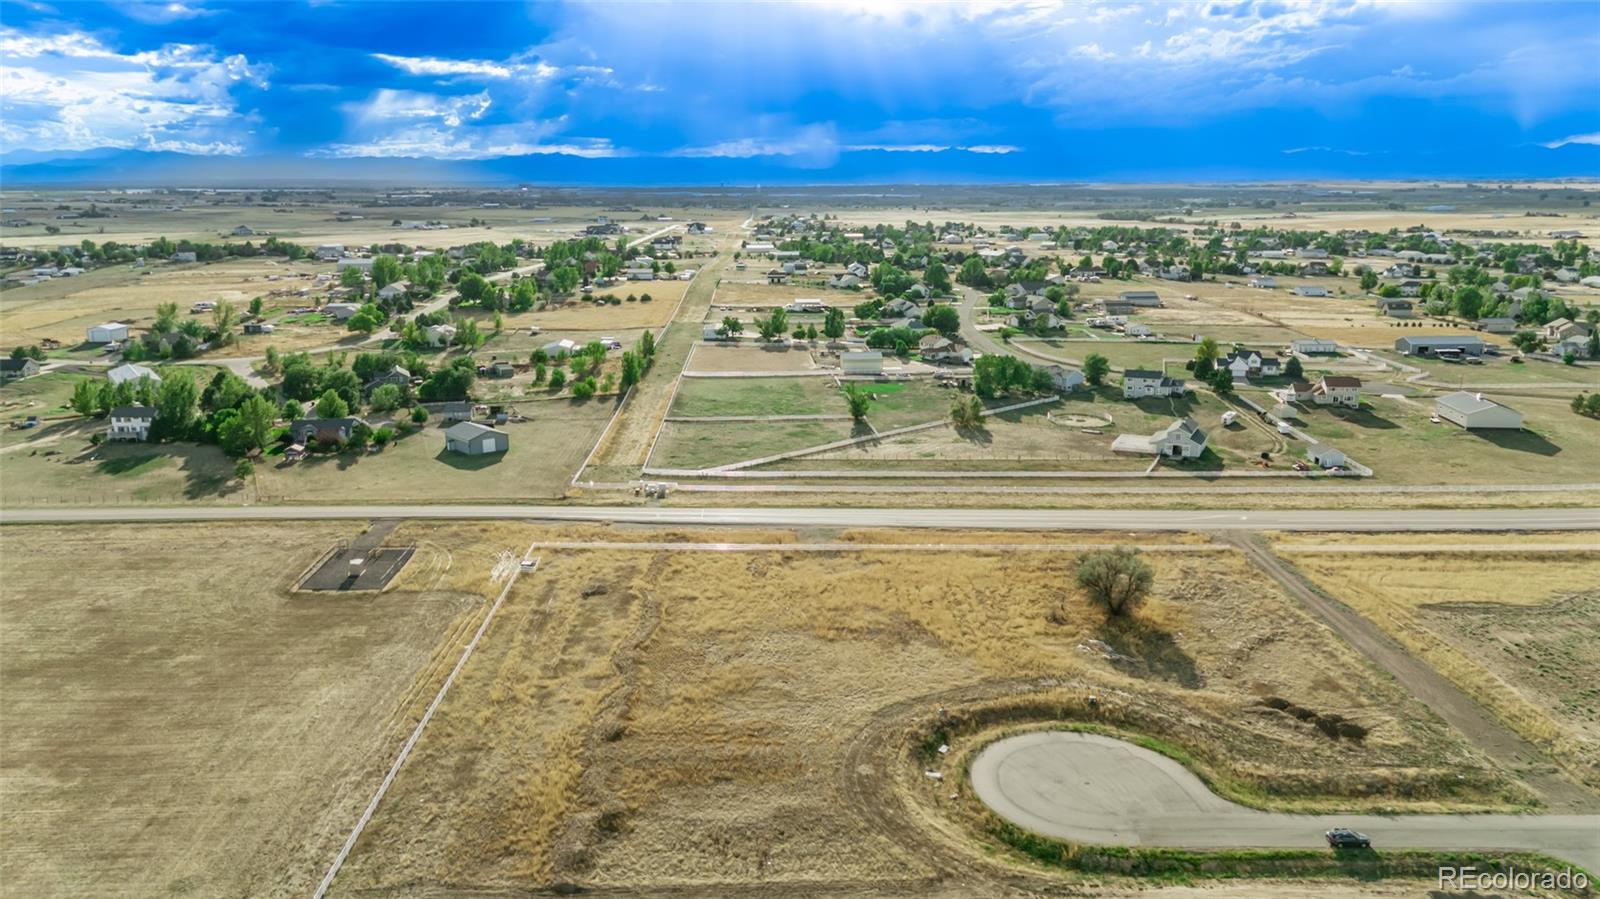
738 293
717 358
642 720
175 723
1517 635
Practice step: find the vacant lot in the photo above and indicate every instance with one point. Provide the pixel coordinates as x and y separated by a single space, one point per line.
688 444
743 293
641 720
703 397
1518 634
711 357
174 722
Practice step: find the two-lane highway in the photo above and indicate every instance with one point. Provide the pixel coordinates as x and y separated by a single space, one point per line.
962 519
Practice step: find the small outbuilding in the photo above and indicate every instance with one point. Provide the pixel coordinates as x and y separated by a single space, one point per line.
110 332
473 439
1326 456
861 362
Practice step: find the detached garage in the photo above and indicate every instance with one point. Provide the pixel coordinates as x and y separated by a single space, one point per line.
473 439
862 362
1473 412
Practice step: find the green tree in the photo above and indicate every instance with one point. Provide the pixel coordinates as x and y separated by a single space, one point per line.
243 469
1527 341
176 405
730 326
1369 280
1117 578
387 398
563 280
833 323
385 271
350 277
973 273
859 401
166 318
583 388
224 318
332 405
84 397
419 415
255 307
558 379
966 413
1292 369
271 361
1208 350
1222 380
257 416
944 319
937 278
1095 368
630 369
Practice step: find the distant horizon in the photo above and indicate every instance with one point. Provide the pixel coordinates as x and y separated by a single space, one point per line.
842 91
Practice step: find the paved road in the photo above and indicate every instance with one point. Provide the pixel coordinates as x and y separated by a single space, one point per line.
965 519
1089 788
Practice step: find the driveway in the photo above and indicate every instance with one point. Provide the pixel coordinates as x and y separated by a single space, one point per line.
1089 788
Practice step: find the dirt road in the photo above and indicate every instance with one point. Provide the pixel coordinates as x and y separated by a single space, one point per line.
1443 697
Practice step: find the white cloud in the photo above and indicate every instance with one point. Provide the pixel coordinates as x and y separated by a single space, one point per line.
992 148
1092 50
436 142
1591 140
431 65
67 91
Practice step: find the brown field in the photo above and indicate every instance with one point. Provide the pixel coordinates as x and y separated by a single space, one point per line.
643 719
65 308
1517 635
739 293
581 316
715 358
175 722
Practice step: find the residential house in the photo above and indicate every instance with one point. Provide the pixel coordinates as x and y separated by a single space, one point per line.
901 308
396 375
128 372
1337 390
341 312
330 252
243 231
131 423
1116 307
355 262
1314 269
474 439
777 276
857 268
441 335
1064 379
1563 328
1243 363
1393 307
1308 346
110 332
1183 439
1143 298
1138 383
1498 325
394 291
1309 290
1264 281
935 348
1411 288
322 430
1577 346
186 256
17 369
1474 412
1434 346
450 412
844 282
642 273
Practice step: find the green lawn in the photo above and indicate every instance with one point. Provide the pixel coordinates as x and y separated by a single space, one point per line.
46 394
900 404
709 397
690 445
1399 442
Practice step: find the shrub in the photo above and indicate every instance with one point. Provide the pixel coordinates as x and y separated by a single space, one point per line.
419 415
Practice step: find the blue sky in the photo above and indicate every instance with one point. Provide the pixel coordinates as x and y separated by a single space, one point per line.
890 90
